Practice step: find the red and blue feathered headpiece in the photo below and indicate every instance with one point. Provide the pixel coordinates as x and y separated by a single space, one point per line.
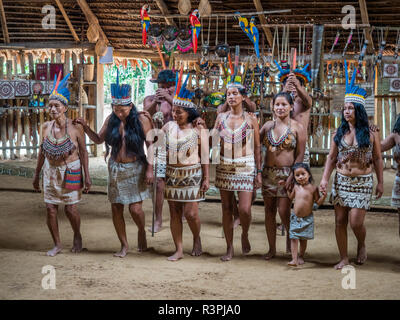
60 89
183 97
121 94
353 93
284 71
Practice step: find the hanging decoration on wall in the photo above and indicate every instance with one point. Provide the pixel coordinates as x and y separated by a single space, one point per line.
22 88
394 85
396 50
7 90
145 22
391 70
184 40
348 42
335 42
196 28
170 35
255 36
155 35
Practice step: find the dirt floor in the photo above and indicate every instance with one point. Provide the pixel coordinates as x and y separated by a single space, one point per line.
96 274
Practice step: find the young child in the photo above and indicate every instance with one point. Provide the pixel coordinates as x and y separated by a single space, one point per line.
302 219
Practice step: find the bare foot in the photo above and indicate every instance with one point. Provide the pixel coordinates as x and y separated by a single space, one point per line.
341 264
142 242
176 256
236 222
229 255
77 244
293 263
197 247
270 255
245 244
54 251
122 253
361 255
300 260
157 227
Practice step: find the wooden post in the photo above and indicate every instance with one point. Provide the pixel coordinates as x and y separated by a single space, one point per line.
58 56
1 67
19 131
99 77
67 67
387 130
4 134
31 66
34 134
22 61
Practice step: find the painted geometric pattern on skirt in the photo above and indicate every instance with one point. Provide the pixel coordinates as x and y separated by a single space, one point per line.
235 174
352 192
183 184
396 193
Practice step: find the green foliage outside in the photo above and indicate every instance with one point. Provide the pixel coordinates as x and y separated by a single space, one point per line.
129 75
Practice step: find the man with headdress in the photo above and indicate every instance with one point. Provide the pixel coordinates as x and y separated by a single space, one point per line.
129 174
160 108
294 82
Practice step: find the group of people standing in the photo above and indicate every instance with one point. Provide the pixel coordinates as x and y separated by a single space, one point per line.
177 161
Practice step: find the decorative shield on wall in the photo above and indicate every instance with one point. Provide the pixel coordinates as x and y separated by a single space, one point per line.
390 70
22 88
7 90
394 85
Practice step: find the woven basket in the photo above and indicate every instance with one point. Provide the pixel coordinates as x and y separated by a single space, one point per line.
184 7
204 8
88 72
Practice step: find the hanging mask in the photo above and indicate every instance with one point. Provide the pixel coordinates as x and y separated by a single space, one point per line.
204 66
215 71
222 50
155 34
184 40
205 50
169 35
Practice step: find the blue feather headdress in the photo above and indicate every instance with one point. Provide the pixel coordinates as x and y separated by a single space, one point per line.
60 89
183 97
353 93
284 71
120 94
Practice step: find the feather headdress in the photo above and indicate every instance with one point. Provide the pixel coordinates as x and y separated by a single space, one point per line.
60 90
353 93
121 93
284 71
183 97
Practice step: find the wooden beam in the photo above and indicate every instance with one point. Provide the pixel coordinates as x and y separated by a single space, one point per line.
91 18
165 12
365 20
47 45
4 23
267 31
71 27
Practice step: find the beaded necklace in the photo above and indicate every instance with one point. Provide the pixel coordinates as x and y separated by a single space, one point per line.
275 144
234 136
183 145
56 148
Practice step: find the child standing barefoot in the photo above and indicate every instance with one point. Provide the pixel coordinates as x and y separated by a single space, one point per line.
302 219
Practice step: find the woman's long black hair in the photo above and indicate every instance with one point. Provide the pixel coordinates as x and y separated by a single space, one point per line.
362 127
134 136
193 114
396 127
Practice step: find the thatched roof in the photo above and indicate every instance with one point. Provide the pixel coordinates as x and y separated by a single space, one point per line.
120 20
